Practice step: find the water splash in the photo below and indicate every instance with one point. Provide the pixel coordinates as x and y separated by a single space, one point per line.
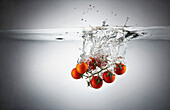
106 44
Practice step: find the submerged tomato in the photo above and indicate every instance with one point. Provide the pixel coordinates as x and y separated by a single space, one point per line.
120 69
75 74
94 62
91 64
82 68
96 82
108 77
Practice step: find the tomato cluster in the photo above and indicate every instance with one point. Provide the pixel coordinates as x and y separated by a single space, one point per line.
96 78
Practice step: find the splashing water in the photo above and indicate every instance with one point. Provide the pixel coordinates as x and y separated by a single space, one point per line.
108 45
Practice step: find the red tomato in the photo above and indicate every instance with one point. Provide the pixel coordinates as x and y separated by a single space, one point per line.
82 68
108 77
99 63
96 82
75 74
92 64
120 69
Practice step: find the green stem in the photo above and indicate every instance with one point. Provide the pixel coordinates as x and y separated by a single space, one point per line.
101 69
97 72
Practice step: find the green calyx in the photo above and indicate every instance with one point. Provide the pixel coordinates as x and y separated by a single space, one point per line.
95 62
81 75
109 74
98 81
119 65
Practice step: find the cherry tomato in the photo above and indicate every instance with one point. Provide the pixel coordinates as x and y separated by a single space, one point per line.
82 68
96 82
108 77
98 62
91 63
120 68
75 74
